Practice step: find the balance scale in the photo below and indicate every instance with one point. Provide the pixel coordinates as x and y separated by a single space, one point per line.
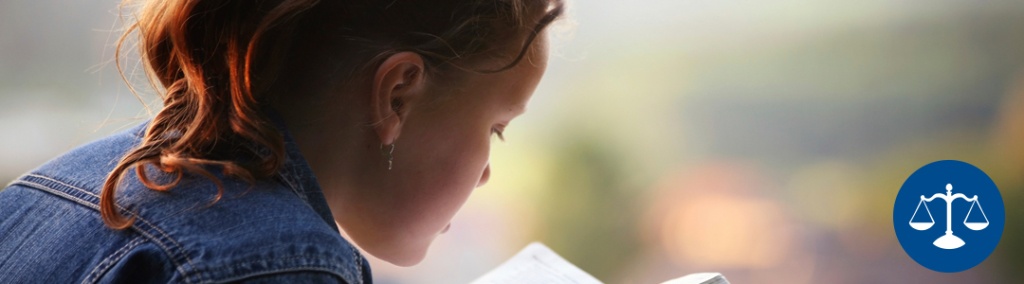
949 241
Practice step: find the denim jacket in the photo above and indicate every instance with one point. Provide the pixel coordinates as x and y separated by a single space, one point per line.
278 231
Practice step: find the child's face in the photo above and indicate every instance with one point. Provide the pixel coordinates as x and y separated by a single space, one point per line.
439 158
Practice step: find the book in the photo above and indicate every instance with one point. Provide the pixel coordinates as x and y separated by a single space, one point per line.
536 263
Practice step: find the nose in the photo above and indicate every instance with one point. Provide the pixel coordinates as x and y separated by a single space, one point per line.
485 176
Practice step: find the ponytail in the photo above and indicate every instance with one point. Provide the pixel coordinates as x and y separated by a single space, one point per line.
203 53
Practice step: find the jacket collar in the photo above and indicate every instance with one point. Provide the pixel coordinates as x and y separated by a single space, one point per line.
297 175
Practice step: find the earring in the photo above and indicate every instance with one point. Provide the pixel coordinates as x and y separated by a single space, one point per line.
387 154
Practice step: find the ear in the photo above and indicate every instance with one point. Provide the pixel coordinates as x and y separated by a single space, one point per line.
397 83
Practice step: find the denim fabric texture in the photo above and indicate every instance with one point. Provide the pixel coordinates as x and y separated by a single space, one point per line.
272 231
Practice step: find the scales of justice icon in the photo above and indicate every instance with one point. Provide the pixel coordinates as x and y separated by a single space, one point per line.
949 241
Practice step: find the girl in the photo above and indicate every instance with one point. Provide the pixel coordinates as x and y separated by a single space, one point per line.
283 121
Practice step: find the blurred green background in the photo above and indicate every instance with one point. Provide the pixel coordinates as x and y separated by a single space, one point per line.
763 139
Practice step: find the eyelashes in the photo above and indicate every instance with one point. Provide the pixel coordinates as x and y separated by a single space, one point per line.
499 132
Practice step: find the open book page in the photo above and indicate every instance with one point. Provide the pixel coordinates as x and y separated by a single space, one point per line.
536 264
699 278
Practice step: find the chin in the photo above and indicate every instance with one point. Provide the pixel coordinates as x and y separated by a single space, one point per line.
388 244
406 261
406 257
398 251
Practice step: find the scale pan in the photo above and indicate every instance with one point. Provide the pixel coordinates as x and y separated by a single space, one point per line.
921 226
977 226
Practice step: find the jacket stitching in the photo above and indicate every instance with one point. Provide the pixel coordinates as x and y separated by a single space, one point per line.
108 262
359 265
137 217
279 258
325 269
96 207
329 268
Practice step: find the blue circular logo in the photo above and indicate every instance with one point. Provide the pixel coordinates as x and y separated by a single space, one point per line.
949 216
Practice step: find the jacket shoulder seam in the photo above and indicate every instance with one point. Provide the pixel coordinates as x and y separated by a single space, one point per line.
67 191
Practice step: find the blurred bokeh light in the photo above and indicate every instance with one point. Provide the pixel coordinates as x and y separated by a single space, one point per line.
763 139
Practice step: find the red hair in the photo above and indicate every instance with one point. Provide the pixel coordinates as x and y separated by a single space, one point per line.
206 53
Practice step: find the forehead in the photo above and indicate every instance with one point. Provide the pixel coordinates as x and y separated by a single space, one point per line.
523 78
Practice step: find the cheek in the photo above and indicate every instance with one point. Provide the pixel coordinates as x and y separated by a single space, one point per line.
449 166
460 164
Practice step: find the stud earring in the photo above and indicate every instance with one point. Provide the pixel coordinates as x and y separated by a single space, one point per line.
388 154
